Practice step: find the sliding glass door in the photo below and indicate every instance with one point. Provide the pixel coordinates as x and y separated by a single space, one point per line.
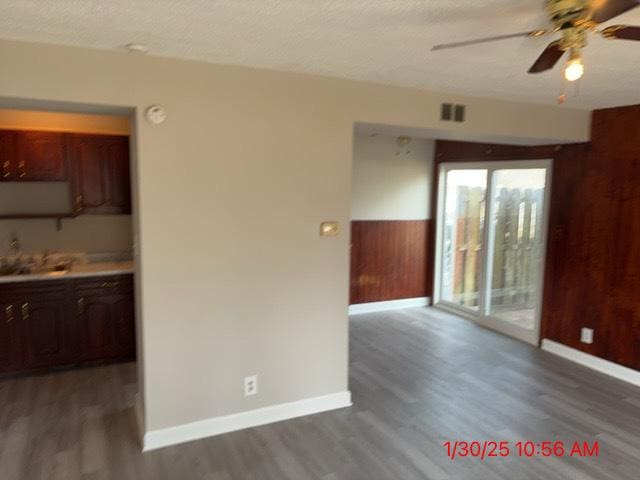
491 242
463 237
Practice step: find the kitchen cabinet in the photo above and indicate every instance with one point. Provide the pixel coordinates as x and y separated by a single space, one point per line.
96 166
48 329
10 338
106 311
7 155
66 322
39 156
100 173
108 327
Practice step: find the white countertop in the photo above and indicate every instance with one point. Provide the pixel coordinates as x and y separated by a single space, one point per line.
97 269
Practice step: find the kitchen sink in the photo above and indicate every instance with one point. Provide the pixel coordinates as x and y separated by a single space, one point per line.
24 265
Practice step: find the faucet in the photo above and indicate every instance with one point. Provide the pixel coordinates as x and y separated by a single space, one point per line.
14 244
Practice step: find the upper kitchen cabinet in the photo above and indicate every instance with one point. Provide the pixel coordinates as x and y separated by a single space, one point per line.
100 173
39 156
31 156
7 155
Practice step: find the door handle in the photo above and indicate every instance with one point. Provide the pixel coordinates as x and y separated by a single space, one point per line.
25 310
8 310
81 305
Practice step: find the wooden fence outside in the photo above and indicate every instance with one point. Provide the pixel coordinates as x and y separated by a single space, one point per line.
517 223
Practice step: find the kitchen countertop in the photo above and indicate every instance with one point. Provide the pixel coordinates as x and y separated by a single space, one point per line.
80 270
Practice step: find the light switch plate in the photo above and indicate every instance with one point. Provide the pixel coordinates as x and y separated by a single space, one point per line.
329 229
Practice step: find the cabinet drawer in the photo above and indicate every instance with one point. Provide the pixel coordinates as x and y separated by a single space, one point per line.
104 285
43 289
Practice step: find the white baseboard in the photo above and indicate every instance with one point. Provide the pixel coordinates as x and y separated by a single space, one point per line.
238 421
596 363
388 305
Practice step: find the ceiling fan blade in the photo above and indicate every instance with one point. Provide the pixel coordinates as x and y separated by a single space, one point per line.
548 58
534 33
623 32
604 10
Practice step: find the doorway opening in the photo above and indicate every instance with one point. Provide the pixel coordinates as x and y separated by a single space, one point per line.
69 257
490 243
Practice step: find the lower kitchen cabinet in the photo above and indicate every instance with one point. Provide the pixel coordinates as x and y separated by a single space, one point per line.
48 332
10 339
107 326
66 322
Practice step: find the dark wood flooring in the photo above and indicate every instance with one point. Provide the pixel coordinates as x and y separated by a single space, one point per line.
419 377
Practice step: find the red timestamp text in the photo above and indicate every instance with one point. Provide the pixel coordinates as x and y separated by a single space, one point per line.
486 449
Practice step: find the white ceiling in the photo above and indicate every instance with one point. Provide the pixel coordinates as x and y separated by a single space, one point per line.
385 41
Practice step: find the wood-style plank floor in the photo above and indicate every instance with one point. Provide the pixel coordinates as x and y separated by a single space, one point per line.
419 377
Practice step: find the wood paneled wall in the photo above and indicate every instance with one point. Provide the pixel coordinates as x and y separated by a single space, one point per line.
593 264
592 273
389 260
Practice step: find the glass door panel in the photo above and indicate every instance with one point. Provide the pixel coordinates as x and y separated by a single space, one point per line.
516 245
462 240
490 259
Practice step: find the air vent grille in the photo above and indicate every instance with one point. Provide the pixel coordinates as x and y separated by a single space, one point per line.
446 112
450 112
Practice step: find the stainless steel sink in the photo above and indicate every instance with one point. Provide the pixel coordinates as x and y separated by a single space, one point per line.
25 265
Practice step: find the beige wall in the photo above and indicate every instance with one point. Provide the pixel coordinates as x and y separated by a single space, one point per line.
391 182
86 233
235 279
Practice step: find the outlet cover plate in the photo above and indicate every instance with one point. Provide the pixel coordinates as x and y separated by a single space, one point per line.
250 385
586 335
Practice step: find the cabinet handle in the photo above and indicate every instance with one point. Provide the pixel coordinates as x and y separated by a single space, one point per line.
5 168
109 284
25 310
79 204
81 305
8 310
23 173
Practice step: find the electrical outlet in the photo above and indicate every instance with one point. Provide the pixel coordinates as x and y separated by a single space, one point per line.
250 385
586 335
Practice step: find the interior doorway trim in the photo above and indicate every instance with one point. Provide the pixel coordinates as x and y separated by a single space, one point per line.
482 316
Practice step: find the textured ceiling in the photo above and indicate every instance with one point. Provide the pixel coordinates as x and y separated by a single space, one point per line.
384 41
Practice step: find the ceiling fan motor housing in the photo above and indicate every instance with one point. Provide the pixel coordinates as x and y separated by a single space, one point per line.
564 13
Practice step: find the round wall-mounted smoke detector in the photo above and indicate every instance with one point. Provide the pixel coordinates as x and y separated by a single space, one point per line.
155 114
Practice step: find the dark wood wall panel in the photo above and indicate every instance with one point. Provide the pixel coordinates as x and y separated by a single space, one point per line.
592 273
389 260
593 264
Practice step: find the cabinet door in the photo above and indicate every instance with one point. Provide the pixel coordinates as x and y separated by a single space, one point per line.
118 176
101 178
7 156
40 156
46 331
10 348
98 341
87 161
124 318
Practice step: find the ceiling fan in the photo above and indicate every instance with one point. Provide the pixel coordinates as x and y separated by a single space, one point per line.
574 20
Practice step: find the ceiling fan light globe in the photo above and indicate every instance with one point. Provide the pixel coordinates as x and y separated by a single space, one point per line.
574 70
